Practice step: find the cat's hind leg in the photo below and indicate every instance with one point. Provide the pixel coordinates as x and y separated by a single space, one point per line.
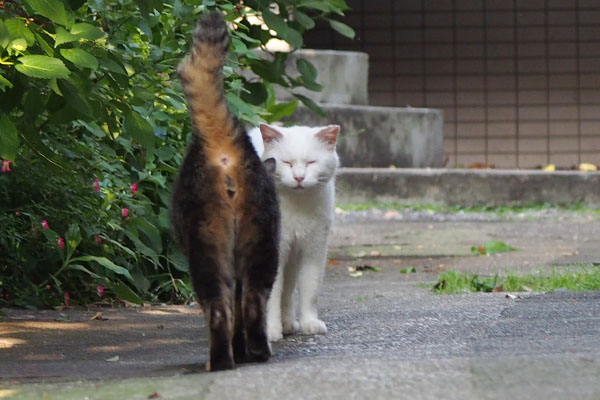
239 341
212 275
259 271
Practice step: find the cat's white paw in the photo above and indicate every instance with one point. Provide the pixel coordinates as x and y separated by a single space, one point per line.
274 333
291 327
312 326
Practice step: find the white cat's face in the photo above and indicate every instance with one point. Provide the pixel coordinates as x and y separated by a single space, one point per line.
305 156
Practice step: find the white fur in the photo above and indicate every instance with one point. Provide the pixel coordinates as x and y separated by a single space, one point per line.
307 209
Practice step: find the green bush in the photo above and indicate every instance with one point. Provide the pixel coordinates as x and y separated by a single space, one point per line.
93 126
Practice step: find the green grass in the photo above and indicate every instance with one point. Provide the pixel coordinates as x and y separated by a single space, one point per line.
580 278
447 209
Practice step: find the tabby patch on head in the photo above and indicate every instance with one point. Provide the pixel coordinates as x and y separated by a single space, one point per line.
305 156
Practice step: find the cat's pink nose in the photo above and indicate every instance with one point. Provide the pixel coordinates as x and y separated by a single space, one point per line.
299 178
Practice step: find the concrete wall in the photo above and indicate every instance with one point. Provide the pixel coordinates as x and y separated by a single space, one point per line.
519 81
382 136
343 75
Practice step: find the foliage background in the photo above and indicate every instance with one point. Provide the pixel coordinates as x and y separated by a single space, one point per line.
93 127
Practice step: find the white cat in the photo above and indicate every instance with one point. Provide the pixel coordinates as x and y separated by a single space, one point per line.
306 162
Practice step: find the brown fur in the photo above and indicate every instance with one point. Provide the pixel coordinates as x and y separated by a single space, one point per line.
224 210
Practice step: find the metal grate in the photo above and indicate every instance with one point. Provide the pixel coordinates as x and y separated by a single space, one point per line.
518 80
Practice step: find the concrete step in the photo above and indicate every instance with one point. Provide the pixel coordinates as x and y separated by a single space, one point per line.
382 136
468 187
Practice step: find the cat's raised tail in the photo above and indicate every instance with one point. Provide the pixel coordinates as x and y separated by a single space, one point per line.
201 74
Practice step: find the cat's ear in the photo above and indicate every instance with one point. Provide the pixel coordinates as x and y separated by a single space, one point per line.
329 134
269 134
270 165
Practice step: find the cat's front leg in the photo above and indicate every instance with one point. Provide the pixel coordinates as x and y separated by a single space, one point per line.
288 309
274 326
311 270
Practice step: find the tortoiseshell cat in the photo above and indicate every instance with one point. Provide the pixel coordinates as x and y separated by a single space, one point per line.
224 210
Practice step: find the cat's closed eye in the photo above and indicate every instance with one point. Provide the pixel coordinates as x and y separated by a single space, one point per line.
310 162
287 163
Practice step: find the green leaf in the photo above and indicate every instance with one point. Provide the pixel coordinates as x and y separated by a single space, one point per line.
17 30
79 267
9 138
492 247
139 129
106 263
34 141
112 66
80 58
73 237
342 28
124 292
320 5
281 110
4 83
75 97
304 19
87 31
150 232
306 69
179 261
256 93
4 35
19 44
51 9
93 128
279 25
62 36
44 45
42 67
310 104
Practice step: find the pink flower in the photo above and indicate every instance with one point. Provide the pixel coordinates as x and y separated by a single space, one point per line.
97 185
133 188
45 224
6 165
125 212
61 242
100 290
18 213
67 299
97 239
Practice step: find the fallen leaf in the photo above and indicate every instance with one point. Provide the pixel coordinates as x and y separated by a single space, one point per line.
587 167
99 316
154 395
498 289
356 274
366 268
112 359
408 270
391 214
510 296
63 318
333 262
550 168
480 165
527 288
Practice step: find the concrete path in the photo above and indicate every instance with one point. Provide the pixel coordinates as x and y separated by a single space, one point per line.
388 338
